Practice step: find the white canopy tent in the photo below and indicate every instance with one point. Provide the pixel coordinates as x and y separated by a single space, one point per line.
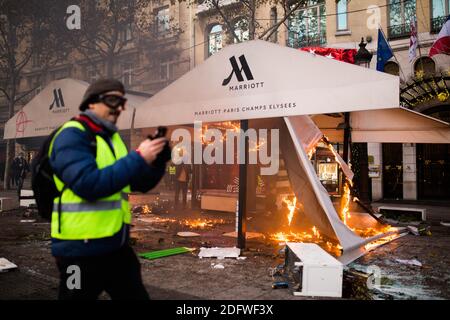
55 104
278 82
258 79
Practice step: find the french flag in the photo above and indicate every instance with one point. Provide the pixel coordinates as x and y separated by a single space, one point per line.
442 43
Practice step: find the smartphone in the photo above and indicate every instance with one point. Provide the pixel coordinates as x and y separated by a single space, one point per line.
160 133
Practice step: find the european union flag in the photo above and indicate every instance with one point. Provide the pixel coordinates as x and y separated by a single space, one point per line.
384 51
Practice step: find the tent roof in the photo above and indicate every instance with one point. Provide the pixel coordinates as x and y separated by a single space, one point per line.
279 81
37 118
389 126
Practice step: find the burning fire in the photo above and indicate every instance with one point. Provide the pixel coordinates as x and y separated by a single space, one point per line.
201 223
291 206
345 204
146 209
316 232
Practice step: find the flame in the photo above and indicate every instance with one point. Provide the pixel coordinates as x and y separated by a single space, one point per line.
316 232
201 223
345 204
291 206
307 238
331 148
146 209
311 152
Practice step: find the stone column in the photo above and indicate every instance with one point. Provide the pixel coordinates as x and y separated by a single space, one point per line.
409 171
374 151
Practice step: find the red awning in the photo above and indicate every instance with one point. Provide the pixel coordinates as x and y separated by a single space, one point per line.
346 55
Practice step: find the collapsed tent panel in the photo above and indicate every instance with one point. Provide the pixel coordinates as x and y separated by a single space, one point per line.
316 201
307 187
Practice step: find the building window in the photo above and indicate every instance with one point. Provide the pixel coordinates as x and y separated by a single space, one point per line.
60 74
215 39
241 31
166 70
125 33
401 13
424 66
308 25
440 11
392 67
274 21
162 20
35 60
341 10
127 74
35 84
92 74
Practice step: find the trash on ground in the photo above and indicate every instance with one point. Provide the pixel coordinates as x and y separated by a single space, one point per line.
164 253
188 234
6 265
220 253
248 235
412 262
424 230
27 221
413 230
217 266
280 285
241 258
445 224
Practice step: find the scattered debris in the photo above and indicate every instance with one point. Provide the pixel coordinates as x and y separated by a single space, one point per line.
155 219
188 234
241 258
248 235
445 224
412 262
414 230
355 285
6 265
217 266
164 253
220 253
206 244
424 230
280 285
200 223
27 221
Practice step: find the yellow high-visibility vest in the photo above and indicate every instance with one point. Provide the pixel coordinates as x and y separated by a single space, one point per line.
81 219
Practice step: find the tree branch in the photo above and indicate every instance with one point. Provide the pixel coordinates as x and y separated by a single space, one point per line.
275 27
216 5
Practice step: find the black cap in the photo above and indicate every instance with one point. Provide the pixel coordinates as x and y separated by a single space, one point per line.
99 87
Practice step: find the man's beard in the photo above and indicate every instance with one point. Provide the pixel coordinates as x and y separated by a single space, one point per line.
115 113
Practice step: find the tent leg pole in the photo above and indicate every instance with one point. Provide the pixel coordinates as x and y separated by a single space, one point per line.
242 188
346 137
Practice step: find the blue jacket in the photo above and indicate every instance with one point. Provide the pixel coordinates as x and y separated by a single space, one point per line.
73 161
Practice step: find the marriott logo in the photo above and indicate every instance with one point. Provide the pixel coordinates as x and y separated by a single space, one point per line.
240 72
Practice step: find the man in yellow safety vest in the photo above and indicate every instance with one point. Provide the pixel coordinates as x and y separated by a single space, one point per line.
91 219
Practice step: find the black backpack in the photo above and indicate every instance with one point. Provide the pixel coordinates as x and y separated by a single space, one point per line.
42 183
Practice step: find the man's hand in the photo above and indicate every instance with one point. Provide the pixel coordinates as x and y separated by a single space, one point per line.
149 149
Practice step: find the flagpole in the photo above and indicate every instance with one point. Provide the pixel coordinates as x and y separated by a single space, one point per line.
393 54
418 45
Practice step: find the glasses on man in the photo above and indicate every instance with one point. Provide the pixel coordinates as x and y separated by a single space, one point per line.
112 101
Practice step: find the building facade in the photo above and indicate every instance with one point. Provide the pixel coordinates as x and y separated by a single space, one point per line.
184 35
